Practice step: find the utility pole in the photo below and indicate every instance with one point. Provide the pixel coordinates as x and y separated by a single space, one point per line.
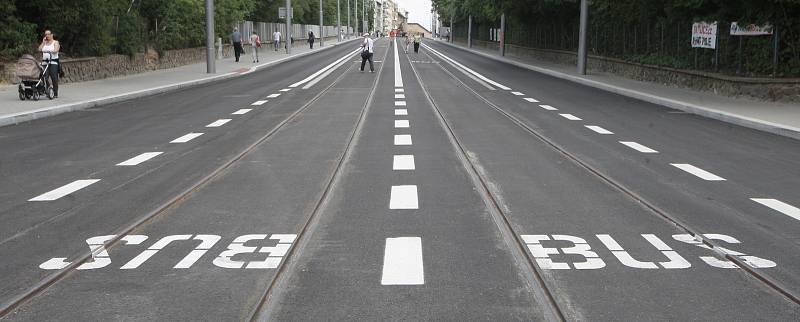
338 22
288 26
469 33
450 35
503 34
321 27
211 67
582 37
349 26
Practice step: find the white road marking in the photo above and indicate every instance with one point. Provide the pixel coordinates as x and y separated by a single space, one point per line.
325 74
638 147
273 95
570 117
399 90
242 111
484 78
286 89
218 123
598 129
401 124
259 102
399 103
404 197
532 100
780 206
400 96
398 74
700 173
400 111
64 190
403 162
517 93
402 139
186 138
139 159
548 107
317 73
402 261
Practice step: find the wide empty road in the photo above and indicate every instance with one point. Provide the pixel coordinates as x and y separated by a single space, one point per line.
443 186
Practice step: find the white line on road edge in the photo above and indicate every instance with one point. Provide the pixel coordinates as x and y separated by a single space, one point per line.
517 93
401 124
273 95
400 111
571 117
638 147
186 138
780 206
484 78
139 159
598 129
402 139
325 74
700 173
400 96
548 107
242 111
402 262
398 74
64 190
403 162
399 103
259 102
218 123
399 90
404 197
314 75
532 100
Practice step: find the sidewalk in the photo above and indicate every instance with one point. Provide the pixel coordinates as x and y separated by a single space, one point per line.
84 95
778 118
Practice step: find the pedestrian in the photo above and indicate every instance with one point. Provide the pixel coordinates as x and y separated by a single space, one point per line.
276 39
408 42
417 41
50 48
236 39
255 42
311 39
366 52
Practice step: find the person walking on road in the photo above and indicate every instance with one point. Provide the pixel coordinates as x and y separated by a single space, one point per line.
366 52
236 39
408 43
276 39
417 42
311 39
255 42
50 48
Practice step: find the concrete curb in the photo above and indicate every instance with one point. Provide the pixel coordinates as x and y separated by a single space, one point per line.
28 116
766 126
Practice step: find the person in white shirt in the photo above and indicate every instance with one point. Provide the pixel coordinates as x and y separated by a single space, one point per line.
255 41
366 53
50 48
276 39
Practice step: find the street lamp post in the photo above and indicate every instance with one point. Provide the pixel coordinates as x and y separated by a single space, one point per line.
338 22
211 67
288 26
348 19
582 37
321 27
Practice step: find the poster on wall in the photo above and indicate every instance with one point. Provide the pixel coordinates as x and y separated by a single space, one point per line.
704 35
750 30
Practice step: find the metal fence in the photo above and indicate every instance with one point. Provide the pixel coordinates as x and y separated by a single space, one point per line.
299 32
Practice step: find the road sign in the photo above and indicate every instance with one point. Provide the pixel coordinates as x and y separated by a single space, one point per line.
282 12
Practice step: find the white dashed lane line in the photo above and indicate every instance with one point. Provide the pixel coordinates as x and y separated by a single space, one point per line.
401 124
532 100
700 173
400 111
779 206
399 90
256 103
400 96
517 93
404 197
570 117
286 89
186 138
218 123
273 95
598 129
638 147
402 262
403 162
399 103
402 139
139 159
242 111
64 190
548 107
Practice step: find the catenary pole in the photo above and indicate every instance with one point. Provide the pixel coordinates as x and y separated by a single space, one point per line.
503 34
288 35
321 27
211 67
338 22
582 37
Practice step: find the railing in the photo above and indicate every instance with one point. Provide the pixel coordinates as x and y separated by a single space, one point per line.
299 32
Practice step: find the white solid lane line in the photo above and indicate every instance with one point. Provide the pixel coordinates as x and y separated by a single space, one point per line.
317 73
404 197
598 129
780 206
399 90
399 103
484 78
532 100
286 89
259 102
186 138
218 123
242 111
517 93
400 96
403 162
398 74
638 147
64 190
402 262
571 117
402 139
139 159
401 124
273 95
700 173
400 111
548 107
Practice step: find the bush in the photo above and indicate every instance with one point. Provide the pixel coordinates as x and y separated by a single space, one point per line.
16 37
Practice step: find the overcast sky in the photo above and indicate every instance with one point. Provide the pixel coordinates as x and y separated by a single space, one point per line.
419 11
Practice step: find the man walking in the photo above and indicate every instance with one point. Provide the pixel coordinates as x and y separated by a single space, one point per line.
311 39
276 39
366 53
236 39
417 41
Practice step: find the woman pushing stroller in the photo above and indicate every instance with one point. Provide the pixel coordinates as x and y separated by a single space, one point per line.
50 48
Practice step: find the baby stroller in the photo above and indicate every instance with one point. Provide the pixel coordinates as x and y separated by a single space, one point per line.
33 79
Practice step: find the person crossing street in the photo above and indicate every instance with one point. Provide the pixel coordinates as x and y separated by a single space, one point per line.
366 52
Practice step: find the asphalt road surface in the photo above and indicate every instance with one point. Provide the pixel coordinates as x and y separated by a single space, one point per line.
443 186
